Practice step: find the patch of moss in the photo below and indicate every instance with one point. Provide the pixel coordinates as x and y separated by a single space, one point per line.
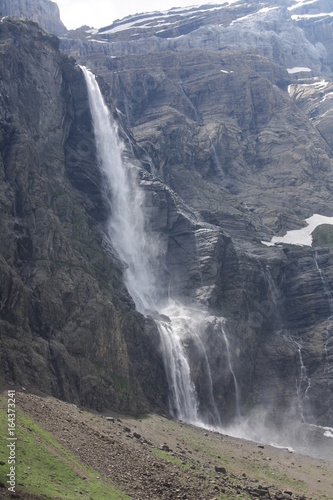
282 480
322 236
164 455
45 467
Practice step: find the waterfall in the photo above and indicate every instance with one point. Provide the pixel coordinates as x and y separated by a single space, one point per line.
126 224
275 295
237 397
137 248
328 329
323 280
303 383
215 412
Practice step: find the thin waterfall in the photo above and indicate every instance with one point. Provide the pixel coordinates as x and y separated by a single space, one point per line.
136 248
237 396
303 383
323 280
328 329
275 296
215 412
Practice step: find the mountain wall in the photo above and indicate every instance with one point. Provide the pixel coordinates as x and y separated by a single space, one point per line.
225 111
68 326
223 102
44 12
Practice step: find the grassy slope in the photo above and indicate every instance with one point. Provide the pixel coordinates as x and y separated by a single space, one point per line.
44 467
149 457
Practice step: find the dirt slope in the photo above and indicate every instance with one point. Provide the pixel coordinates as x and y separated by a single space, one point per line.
158 458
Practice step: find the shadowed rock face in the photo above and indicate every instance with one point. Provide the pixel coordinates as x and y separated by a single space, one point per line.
43 12
68 326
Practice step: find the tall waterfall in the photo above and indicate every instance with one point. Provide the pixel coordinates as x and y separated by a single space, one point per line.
329 329
126 225
137 249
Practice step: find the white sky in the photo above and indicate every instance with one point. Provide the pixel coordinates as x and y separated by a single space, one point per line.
100 13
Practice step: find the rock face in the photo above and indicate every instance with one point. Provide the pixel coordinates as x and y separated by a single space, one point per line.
234 146
68 326
223 115
43 12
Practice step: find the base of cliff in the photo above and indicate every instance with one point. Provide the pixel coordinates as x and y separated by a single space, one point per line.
66 452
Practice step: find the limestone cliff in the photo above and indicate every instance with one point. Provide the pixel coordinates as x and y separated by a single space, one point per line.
44 12
68 326
225 109
220 99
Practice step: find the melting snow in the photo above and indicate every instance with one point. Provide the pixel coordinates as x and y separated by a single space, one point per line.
301 237
298 17
264 10
292 71
267 9
147 18
98 41
321 84
329 95
301 3
240 19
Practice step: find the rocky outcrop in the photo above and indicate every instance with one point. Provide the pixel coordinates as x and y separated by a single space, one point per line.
68 326
44 12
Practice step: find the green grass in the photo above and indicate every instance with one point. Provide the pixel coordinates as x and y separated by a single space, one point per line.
231 496
164 455
45 467
322 236
279 478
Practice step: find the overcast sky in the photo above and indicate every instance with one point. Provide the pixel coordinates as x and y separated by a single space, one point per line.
98 13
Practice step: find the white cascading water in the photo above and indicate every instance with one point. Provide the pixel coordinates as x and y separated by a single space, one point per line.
303 384
126 225
135 247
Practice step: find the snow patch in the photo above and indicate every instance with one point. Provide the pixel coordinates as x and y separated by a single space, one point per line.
321 84
264 10
98 41
299 17
329 95
301 4
241 19
267 9
292 71
301 237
